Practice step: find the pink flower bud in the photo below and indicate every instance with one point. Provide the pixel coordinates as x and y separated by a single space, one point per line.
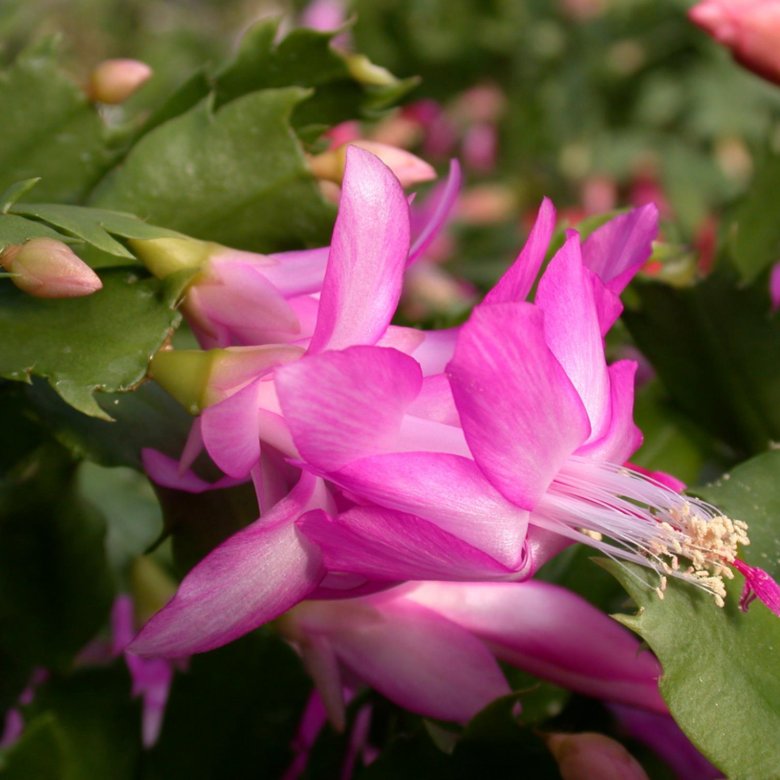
113 81
408 168
47 268
751 30
589 755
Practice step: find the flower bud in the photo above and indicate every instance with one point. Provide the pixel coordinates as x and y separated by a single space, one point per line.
165 256
589 755
363 70
199 378
47 268
113 81
750 30
408 168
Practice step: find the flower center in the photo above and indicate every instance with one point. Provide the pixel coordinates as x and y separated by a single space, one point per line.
628 515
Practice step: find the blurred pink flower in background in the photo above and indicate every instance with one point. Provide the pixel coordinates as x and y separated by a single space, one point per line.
749 28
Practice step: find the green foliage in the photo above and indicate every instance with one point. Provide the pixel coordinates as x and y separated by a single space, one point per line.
236 176
147 417
39 753
101 341
236 709
305 58
721 677
17 230
756 238
82 726
716 349
670 442
50 130
95 226
55 586
490 742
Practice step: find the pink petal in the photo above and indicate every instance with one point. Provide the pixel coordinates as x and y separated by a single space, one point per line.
367 256
621 437
520 413
248 580
428 220
617 250
517 281
403 339
572 331
345 405
243 298
449 491
436 350
299 272
165 471
435 401
414 657
231 430
388 545
552 633
541 546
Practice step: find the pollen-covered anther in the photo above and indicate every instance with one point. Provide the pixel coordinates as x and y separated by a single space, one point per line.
710 543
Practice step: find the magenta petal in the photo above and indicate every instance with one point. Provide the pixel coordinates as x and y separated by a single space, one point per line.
251 578
774 286
572 330
428 220
367 256
608 304
414 657
552 633
617 250
344 405
231 430
621 438
388 545
520 413
517 281
758 584
662 735
449 491
165 471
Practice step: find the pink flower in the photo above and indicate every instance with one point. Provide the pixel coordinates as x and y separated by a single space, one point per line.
488 471
432 647
749 28
151 677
